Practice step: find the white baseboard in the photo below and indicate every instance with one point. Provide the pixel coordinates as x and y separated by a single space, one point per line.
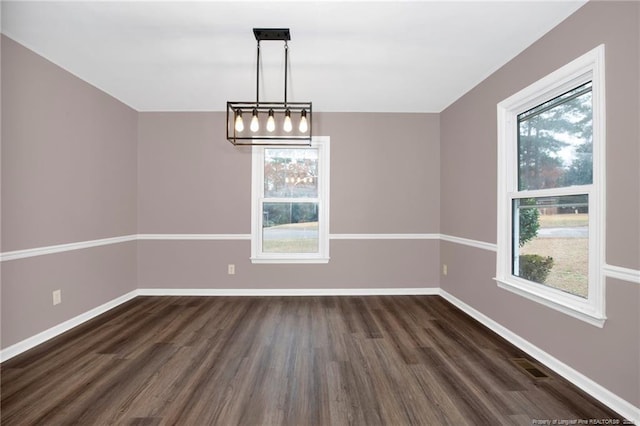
42 337
289 292
613 401
52 332
621 406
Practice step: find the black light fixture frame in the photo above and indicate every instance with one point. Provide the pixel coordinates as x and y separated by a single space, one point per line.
295 138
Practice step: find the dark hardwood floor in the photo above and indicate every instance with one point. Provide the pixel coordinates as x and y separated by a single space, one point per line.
393 360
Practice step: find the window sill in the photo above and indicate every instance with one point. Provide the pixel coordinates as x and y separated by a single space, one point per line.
588 317
285 260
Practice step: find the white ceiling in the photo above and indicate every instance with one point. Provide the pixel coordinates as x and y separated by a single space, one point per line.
375 56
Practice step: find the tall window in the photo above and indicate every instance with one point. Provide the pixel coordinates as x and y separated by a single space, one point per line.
551 200
290 221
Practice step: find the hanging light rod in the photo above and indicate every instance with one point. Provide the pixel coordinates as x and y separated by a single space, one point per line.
271 123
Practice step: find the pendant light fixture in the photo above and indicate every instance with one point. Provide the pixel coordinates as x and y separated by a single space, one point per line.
272 123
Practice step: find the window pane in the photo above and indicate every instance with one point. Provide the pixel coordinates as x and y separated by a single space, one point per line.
290 228
555 142
551 242
290 173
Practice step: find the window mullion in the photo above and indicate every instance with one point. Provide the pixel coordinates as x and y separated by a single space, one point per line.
586 88
290 199
551 192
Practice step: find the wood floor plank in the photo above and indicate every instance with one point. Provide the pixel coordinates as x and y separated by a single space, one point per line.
443 408
375 360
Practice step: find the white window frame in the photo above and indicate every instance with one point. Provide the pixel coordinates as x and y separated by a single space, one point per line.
588 67
321 143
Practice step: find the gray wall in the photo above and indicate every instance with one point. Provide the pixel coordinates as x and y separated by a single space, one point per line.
384 179
78 165
68 175
611 355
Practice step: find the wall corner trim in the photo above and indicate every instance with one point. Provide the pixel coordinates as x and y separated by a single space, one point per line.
610 399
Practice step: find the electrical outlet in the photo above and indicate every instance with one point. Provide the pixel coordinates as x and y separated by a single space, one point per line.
231 269
445 270
57 297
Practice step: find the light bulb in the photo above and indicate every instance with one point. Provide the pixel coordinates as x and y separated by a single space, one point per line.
255 124
304 126
239 124
271 122
287 126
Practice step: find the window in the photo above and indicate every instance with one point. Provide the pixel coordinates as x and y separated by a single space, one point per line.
290 220
551 190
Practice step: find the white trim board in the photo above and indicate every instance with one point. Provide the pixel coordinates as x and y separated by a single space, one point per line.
594 389
33 341
208 237
612 271
384 236
261 292
620 273
613 401
469 242
59 248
